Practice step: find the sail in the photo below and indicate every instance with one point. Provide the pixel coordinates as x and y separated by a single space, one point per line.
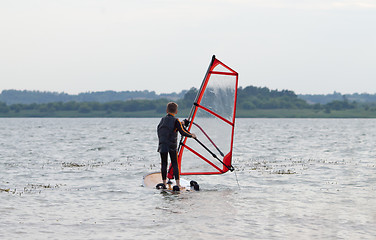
212 119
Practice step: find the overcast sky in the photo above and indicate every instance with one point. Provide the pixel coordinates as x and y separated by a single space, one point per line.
72 46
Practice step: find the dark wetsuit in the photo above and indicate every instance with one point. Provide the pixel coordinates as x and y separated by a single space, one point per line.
168 137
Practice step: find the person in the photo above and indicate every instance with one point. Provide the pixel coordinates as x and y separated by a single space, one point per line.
167 136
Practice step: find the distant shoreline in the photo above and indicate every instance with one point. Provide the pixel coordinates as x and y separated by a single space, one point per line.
256 113
252 102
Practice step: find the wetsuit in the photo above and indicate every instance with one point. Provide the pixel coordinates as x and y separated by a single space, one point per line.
168 137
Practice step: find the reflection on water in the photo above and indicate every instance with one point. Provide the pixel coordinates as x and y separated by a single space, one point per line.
81 178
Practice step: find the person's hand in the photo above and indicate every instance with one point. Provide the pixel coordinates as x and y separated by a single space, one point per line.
185 122
194 136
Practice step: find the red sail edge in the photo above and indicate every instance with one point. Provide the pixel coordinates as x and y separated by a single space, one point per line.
209 115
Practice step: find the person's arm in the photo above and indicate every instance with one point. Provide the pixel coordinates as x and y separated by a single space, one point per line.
182 131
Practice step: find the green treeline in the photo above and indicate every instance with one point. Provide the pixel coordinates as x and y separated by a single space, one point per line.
27 97
87 107
263 98
252 102
323 99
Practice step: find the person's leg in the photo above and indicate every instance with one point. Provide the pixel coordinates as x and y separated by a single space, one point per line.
174 162
164 167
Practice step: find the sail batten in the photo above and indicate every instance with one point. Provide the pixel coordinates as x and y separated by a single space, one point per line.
223 73
215 114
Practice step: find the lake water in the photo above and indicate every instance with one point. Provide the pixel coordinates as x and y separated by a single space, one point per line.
81 179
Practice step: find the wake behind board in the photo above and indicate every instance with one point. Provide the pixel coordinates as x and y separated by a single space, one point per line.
151 180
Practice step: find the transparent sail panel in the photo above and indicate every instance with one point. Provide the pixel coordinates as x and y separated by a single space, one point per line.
215 134
221 68
219 95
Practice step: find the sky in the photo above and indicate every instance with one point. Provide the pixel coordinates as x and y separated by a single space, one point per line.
73 46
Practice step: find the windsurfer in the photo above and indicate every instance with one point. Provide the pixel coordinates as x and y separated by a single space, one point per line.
167 135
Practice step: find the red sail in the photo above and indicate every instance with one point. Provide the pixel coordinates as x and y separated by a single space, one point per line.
212 119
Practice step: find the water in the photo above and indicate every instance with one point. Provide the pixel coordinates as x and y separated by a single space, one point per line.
81 179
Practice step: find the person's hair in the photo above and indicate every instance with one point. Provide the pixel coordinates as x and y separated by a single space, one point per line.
172 107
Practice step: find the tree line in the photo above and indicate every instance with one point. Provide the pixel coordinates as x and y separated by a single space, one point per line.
249 98
87 107
29 97
336 96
